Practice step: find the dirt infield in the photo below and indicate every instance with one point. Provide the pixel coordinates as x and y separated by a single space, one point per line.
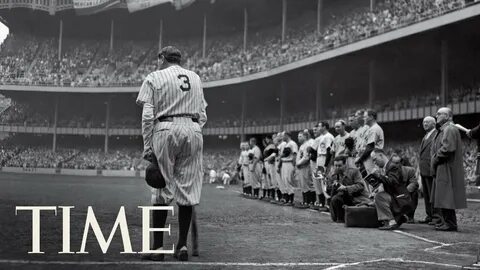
235 233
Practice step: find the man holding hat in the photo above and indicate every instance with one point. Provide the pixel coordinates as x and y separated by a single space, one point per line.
174 112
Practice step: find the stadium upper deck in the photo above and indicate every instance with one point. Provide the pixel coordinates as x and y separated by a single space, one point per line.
268 39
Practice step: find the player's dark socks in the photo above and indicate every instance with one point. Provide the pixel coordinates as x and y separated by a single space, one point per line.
321 199
272 193
304 197
312 197
279 194
184 218
264 193
309 197
159 218
292 197
285 197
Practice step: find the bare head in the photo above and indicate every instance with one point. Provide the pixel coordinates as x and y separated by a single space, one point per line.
359 115
429 123
352 121
169 56
301 137
444 115
379 158
370 117
340 127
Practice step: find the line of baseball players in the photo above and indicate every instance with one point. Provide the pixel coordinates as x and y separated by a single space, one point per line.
286 165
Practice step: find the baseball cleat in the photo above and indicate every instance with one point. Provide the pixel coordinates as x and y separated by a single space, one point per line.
181 254
154 256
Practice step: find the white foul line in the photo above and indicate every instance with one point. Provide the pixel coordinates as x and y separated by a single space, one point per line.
420 238
164 263
400 260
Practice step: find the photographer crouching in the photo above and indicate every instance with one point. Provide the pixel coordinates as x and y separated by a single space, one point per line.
346 187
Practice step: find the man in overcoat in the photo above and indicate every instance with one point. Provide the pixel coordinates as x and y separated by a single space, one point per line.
448 190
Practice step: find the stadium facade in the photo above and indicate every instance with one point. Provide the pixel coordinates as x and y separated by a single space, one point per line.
405 70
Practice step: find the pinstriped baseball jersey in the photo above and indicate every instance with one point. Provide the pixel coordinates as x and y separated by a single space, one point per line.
177 144
174 91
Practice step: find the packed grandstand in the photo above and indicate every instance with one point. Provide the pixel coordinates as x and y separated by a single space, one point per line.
27 59
33 60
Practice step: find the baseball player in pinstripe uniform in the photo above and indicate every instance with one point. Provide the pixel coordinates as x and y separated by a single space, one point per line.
288 167
269 161
272 159
174 112
304 173
247 183
255 167
278 168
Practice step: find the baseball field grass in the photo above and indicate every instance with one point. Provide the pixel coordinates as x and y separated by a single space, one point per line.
234 232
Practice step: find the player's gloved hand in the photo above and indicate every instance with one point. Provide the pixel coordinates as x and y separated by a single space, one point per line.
148 155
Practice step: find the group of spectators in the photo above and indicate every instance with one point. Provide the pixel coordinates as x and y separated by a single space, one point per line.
115 159
34 61
18 113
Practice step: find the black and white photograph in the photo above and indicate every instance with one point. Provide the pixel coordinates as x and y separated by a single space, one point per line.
239 134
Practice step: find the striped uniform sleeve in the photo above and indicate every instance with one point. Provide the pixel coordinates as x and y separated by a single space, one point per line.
145 99
203 108
145 95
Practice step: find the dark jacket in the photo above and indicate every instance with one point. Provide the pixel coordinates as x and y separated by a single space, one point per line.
426 155
448 190
409 178
353 181
395 185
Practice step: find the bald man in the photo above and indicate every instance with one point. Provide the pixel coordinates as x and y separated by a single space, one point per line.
448 190
425 169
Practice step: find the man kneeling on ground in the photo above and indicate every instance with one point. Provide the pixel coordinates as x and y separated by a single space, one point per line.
392 199
346 188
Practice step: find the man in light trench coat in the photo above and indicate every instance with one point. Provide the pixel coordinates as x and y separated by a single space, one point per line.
448 191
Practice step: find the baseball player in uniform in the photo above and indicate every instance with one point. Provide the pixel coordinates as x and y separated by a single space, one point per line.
269 163
339 140
255 167
247 184
273 158
278 165
374 139
174 112
303 171
360 132
288 167
324 154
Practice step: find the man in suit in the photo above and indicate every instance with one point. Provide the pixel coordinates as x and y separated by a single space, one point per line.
347 188
429 122
474 133
448 191
389 192
410 181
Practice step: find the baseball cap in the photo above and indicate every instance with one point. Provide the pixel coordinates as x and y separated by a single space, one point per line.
171 54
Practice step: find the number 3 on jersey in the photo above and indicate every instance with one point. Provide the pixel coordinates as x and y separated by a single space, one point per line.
185 86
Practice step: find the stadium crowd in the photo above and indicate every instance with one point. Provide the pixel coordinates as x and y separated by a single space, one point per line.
116 159
30 60
20 113
355 174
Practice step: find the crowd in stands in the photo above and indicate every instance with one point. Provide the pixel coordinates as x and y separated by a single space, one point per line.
19 113
36 61
116 159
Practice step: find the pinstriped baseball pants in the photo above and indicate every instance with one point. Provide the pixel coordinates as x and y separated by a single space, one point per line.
178 146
